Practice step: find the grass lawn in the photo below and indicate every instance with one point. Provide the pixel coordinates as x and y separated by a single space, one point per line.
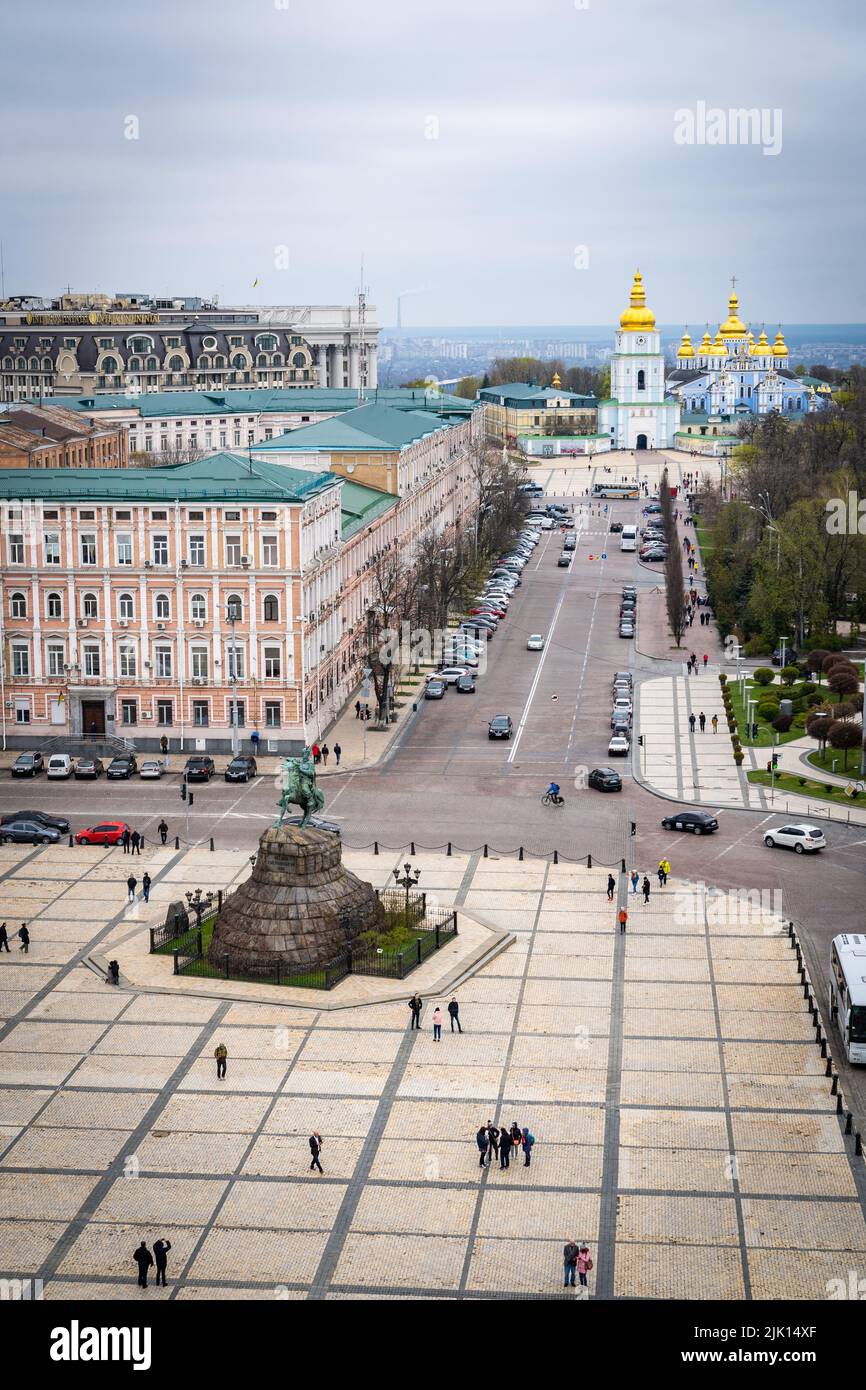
767 735
788 782
703 534
825 761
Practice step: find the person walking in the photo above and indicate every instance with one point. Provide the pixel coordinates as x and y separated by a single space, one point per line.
325 754
584 1264
221 1053
454 1014
622 919
113 976
338 753
694 660
254 740
483 1143
635 880
163 831
160 1254
144 1260
715 723
569 1263
24 938
611 887
646 889
4 939
692 722
357 709
317 753
315 1150
124 840
493 1141
705 660
702 720
416 1003
527 1142
665 868
504 1147
661 874
437 1024
145 886
131 884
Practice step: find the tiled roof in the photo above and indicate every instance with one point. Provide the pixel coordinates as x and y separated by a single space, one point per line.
368 429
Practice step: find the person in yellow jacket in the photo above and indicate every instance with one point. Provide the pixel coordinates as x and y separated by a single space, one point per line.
221 1053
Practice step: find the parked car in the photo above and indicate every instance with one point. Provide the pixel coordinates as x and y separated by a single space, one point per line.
475 625
27 765
465 684
605 779
59 823
107 832
89 767
790 658
487 610
621 724
434 689
802 839
151 769
199 768
652 557
60 766
570 541
27 832
122 766
500 726
626 629
698 822
618 746
564 560
622 677
241 768
535 642
449 674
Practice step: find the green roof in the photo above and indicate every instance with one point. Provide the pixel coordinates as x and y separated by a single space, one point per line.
368 429
270 401
521 393
361 505
219 477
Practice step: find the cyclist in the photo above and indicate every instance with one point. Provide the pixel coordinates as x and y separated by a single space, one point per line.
553 793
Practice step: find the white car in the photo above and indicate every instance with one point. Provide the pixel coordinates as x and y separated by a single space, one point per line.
535 643
150 768
449 674
547 524
618 746
802 839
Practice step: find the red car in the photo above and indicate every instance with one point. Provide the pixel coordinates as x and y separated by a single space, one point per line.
107 832
488 608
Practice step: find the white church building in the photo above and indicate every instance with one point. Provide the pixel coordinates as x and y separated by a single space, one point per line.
639 413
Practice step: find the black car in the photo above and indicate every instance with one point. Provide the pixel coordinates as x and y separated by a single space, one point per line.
27 765
621 724
789 660
241 768
616 526
605 779
654 556
629 591
27 832
89 767
434 689
465 685
59 823
122 766
500 727
698 822
570 542
198 769
564 560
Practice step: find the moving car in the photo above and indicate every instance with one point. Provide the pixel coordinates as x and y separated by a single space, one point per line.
434 689
618 746
41 817
802 839
622 677
60 765
500 726
89 767
465 684
199 769
547 524
535 642
620 724
698 822
27 765
151 769
241 768
565 559
122 766
570 541
107 832
616 526
605 779
27 832
654 555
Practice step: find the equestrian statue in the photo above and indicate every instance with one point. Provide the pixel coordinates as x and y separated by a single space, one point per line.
297 783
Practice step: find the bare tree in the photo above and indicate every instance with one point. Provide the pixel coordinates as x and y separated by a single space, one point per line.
501 507
675 594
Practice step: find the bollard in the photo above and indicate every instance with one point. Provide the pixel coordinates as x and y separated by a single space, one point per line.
219 900
176 971
805 989
838 1105
485 851
819 1036
849 1122
834 1091
824 1049
589 861
828 1070
556 856
226 963
520 853
622 866
375 846
448 851
412 847
70 842
177 842
211 844
858 1144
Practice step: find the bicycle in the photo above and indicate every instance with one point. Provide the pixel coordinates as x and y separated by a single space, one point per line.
548 799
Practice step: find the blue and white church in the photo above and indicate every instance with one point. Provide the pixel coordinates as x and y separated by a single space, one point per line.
640 413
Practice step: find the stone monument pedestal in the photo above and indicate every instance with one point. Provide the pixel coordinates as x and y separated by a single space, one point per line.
298 909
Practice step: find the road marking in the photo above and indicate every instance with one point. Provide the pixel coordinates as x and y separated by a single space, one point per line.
745 835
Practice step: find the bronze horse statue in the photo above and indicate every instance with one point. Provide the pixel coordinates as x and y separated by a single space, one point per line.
297 783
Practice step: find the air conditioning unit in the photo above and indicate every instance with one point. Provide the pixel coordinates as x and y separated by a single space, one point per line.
124 622
160 627
147 665
245 559
82 622
197 680
148 564
184 564
198 622
146 714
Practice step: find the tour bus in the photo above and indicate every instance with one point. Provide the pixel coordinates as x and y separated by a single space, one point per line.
848 992
628 540
616 490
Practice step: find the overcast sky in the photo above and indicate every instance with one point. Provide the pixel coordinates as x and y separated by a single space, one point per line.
467 148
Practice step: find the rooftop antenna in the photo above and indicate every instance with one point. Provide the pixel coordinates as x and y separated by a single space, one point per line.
362 323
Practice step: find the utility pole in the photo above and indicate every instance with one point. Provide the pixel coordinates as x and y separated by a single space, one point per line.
232 617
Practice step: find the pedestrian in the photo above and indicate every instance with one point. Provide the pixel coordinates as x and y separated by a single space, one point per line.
454 1013
692 722
661 874
665 868
317 753
315 1150
695 660
145 886
131 885
221 1053
635 880
611 887
527 1142
144 1260
715 723
113 976
415 1004
357 709
706 659
366 712
646 889
4 939
516 1137
483 1143
569 1262
691 616
504 1147
163 831
702 720
125 838
160 1254
254 740
163 745
437 1024
623 919
338 753
493 1141
325 750
584 1264
24 938
135 842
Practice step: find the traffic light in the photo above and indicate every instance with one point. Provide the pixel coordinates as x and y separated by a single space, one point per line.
634 827
183 791
191 799
775 761
640 740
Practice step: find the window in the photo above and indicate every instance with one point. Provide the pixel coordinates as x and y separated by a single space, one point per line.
22 711
54 606
164 664
199 663
237 713
54 658
160 550
236 663
129 711
90 606
88 548
233 516
164 712
159 516
20 659
273 710
16 549
271 608
201 713
124 548
198 607
641 380
126 607
196 550
18 605
128 663
51 545
92 661
273 663
270 551
233 550
162 607
234 608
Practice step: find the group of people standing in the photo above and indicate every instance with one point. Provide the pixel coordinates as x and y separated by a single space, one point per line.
493 1142
132 841
693 663
145 1261
416 1004
321 753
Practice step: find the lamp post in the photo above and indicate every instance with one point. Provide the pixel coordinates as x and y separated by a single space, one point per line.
408 880
231 618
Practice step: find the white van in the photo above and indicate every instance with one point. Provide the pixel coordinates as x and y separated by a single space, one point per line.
628 540
60 765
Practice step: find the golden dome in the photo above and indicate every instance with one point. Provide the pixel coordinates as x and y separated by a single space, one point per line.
686 349
557 380
762 347
779 347
733 326
824 389
718 349
706 346
637 316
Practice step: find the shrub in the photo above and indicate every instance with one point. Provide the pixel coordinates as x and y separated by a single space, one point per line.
764 675
723 680
789 674
756 646
783 722
807 688
768 710
816 658
842 681
738 757
815 699
802 781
